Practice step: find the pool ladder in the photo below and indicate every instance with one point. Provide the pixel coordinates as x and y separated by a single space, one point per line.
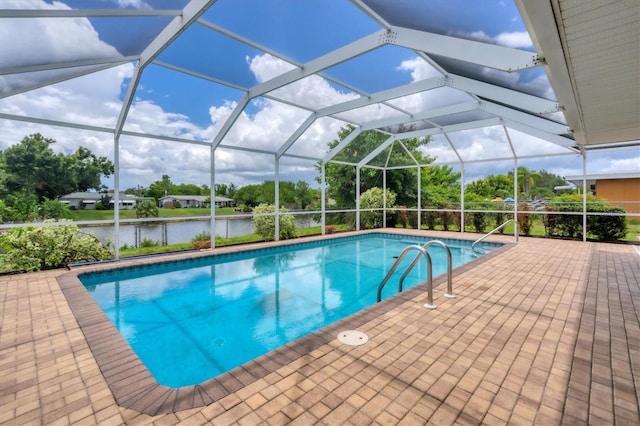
473 246
422 250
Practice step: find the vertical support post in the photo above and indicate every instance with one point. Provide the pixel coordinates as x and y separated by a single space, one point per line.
277 200
384 198
515 184
419 220
116 196
515 199
323 199
462 199
584 196
357 198
212 195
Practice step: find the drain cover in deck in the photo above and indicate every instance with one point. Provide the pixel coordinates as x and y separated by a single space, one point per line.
353 337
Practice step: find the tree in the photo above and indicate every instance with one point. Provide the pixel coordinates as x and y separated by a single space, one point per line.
491 187
266 225
293 195
526 181
341 178
545 185
374 198
248 195
439 185
160 188
147 209
31 167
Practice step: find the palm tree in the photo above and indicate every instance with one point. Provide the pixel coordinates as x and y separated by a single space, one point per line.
527 181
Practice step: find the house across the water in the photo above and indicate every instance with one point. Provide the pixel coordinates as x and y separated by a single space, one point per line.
184 201
89 200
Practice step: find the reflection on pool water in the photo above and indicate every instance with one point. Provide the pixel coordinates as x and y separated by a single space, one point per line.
192 320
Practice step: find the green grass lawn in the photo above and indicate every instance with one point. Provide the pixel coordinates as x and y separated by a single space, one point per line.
220 242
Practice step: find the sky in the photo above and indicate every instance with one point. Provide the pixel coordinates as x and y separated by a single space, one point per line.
171 103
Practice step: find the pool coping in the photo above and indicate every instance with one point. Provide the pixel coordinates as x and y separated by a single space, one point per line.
134 387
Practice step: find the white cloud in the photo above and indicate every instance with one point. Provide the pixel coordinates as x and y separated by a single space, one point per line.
136 4
39 41
96 99
516 39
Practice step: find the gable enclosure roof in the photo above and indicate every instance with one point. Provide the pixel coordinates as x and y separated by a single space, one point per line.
575 85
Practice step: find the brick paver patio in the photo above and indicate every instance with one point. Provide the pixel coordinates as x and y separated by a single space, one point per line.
543 332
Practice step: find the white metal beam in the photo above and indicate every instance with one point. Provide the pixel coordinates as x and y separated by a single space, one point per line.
54 123
541 134
113 61
344 142
371 13
55 80
525 118
488 55
198 75
452 128
190 13
230 120
294 137
500 94
384 145
385 95
432 113
335 57
85 13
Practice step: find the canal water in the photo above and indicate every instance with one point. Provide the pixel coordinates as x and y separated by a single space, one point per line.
175 232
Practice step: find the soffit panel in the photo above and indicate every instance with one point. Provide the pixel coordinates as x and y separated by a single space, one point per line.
604 50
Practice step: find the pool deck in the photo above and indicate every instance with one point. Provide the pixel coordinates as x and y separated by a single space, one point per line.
543 332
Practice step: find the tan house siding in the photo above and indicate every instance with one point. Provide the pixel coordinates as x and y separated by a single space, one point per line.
623 193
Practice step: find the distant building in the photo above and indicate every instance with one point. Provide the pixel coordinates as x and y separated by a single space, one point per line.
619 189
88 200
172 201
184 201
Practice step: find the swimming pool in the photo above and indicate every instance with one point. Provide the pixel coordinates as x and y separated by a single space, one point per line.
191 320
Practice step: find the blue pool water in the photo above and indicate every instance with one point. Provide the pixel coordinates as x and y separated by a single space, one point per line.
192 320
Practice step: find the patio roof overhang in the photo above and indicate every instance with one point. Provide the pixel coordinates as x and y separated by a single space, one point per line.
592 54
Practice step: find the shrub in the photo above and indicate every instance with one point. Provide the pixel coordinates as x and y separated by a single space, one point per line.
33 249
265 226
53 209
146 242
374 199
499 216
147 209
201 240
525 221
599 227
404 220
479 220
446 217
430 219
329 229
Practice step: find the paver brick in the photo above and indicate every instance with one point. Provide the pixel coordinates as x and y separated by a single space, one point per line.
552 338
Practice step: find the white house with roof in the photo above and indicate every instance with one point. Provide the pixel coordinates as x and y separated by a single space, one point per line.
171 201
88 200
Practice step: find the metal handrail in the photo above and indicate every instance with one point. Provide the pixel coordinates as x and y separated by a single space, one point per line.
404 252
491 232
449 293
